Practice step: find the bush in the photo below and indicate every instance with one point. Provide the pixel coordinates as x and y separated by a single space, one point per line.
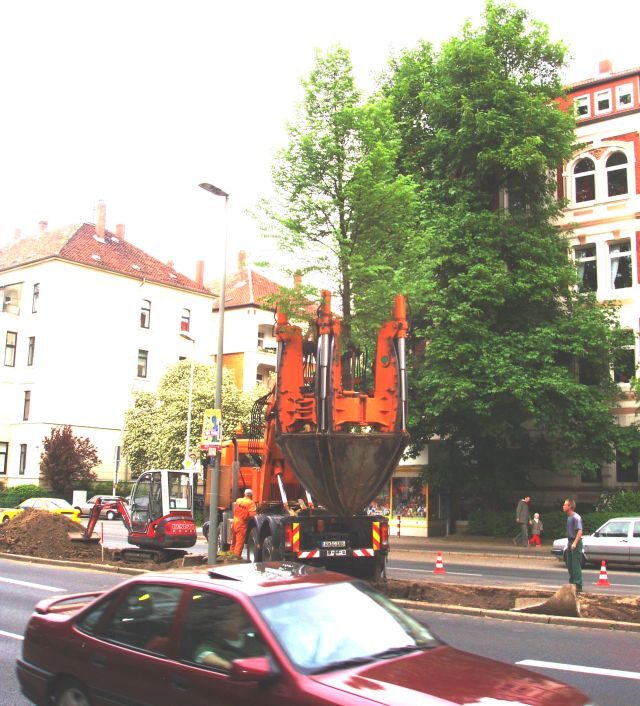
15 495
622 502
492 524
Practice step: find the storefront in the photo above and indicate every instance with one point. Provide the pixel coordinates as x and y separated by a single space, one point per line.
406 499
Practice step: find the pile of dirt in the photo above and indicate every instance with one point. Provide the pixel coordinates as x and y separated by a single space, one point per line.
592 605
43 534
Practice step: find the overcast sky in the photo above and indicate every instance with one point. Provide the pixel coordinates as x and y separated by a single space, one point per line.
137 101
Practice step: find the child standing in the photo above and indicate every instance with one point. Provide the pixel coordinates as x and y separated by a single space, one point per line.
536 530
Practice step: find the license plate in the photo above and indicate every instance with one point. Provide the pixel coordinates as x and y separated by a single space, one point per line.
336 552
331 543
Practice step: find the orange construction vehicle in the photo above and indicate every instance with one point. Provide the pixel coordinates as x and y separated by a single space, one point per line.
319 451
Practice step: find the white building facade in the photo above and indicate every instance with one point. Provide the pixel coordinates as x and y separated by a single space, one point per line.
86 320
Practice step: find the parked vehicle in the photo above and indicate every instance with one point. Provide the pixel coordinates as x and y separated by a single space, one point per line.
245 634
617 541
109 509
325 443
55 505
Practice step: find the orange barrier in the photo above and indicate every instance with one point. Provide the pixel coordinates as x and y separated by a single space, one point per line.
604 579
439 565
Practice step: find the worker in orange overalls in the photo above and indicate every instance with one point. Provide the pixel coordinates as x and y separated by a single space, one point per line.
243 510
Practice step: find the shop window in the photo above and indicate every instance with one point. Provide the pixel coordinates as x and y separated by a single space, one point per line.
586 265
624 95
23 459
585 180
31 350
603 101
620 264
617 174
582 107
143 361
145 313
11 343
185 320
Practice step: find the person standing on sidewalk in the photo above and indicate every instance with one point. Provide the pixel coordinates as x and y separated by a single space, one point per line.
536 530
574 544
522 518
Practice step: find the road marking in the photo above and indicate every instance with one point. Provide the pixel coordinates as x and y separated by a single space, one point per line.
425 571
4 633
578 668
29 584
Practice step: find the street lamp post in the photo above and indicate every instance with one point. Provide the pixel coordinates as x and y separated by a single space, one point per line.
215 475
188 442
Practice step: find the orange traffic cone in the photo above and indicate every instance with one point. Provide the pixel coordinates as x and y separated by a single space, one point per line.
604 579
439 565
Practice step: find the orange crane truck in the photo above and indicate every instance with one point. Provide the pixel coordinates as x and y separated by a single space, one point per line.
318 452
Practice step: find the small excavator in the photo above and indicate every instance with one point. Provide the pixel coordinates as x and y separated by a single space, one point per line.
159 518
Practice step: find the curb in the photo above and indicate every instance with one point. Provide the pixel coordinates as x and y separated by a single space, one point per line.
522 617
414 605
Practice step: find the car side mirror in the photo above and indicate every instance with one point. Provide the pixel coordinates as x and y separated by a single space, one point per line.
255 669
596 534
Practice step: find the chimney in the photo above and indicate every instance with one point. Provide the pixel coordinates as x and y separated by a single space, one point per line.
200 272
43 226
242 260
101 217
605 66
170 263
120 231
297 279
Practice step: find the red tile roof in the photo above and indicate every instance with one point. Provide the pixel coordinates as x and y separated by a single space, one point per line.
247 288
80 244
602 78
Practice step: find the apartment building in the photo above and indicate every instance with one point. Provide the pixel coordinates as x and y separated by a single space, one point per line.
602 186
86 318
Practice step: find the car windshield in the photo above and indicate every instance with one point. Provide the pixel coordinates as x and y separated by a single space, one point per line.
340 625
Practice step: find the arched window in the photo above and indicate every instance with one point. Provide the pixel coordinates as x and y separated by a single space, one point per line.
617 183
585 180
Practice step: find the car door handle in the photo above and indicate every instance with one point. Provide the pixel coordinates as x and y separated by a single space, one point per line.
99 660
180 683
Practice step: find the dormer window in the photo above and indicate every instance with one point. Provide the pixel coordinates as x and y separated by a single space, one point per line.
624 95
582 107
585 180
603 101
617 174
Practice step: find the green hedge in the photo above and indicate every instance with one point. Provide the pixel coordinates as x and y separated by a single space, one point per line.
502 524
15 495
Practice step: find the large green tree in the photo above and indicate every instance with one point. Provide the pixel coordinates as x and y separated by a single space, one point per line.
156 424
513 370
342 208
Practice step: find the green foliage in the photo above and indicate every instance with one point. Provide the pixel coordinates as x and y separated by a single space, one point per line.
491 524
156 424
621 502
510 365
15 495
342 208
67 461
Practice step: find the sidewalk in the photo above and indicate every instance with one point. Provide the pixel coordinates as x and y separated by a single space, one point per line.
468 544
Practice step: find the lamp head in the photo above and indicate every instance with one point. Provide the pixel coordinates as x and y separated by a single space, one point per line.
214 190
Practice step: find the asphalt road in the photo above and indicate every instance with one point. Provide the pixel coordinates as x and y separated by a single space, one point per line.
606 665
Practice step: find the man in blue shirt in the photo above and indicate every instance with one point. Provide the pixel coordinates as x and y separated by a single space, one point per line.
574 544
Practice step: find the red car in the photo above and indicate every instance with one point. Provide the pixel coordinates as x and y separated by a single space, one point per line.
247 634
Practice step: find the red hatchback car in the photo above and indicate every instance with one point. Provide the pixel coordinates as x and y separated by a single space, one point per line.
247 634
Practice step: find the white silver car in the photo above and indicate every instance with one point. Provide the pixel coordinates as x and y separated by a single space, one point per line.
617 541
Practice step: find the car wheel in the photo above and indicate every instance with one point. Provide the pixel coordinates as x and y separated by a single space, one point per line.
222 545
253 547
71 693
205 530
110 515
